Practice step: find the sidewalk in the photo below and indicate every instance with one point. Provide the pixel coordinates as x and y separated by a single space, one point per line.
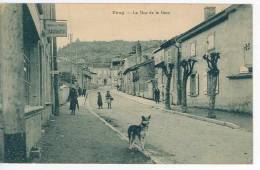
84 139
230 119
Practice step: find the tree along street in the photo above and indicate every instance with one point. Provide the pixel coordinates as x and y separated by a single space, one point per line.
177 139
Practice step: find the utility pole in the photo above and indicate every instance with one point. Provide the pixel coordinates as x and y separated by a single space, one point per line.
178 72
12 73
55 69
70 39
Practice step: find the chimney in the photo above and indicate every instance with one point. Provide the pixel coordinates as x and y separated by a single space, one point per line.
139 52
209 12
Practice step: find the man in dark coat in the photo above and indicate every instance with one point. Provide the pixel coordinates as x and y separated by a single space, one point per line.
157 95
79 91
73 98
84 91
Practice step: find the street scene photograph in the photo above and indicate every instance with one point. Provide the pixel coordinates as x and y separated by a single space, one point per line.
127 83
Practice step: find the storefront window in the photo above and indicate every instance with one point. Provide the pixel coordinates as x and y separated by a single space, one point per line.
193 86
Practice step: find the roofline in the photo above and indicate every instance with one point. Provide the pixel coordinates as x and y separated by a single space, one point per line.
134 67
157 50
209 23
203 26
169 42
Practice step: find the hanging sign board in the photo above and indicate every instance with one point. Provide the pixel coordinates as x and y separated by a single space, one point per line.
55 29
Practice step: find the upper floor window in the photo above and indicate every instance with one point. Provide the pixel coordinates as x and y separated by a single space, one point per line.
211 42
193 49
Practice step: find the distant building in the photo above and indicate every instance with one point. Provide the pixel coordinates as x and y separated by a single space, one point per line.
102 76
159 75
116 63
87 76
138 77
138 74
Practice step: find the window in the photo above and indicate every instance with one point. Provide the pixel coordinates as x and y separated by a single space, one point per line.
211 42
135 76
247 56
193 85
162 78
27 81
206 84
193 49
169 53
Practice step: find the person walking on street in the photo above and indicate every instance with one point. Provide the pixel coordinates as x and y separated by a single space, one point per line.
109 99
73 98
157 95
99 101
79 91
84 91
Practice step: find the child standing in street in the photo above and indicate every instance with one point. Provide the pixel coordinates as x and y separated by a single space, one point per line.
109 99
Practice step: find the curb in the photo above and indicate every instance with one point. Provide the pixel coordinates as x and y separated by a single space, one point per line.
121 135
218 122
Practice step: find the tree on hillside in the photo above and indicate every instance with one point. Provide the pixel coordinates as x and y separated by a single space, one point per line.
187 66
102 49
167 69
213 72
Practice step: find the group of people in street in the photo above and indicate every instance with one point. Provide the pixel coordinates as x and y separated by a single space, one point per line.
74 93
109 99
82 92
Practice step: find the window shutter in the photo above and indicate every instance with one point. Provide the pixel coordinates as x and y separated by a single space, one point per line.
188 86
205 83
197 84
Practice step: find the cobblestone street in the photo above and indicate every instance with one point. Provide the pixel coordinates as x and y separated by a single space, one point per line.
178 139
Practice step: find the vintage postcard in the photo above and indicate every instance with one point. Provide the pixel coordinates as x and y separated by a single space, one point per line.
128 83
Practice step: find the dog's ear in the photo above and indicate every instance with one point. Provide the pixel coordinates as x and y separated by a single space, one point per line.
149 117
143 118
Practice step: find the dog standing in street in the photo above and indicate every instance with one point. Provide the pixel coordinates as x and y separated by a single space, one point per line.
138 131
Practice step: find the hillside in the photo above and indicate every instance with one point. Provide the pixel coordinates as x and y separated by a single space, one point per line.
94 52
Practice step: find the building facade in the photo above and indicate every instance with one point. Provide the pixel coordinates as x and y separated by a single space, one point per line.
26 88
138 73
116 63
165 54
102 76
230 34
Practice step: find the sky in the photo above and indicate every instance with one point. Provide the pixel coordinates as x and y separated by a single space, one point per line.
107 22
